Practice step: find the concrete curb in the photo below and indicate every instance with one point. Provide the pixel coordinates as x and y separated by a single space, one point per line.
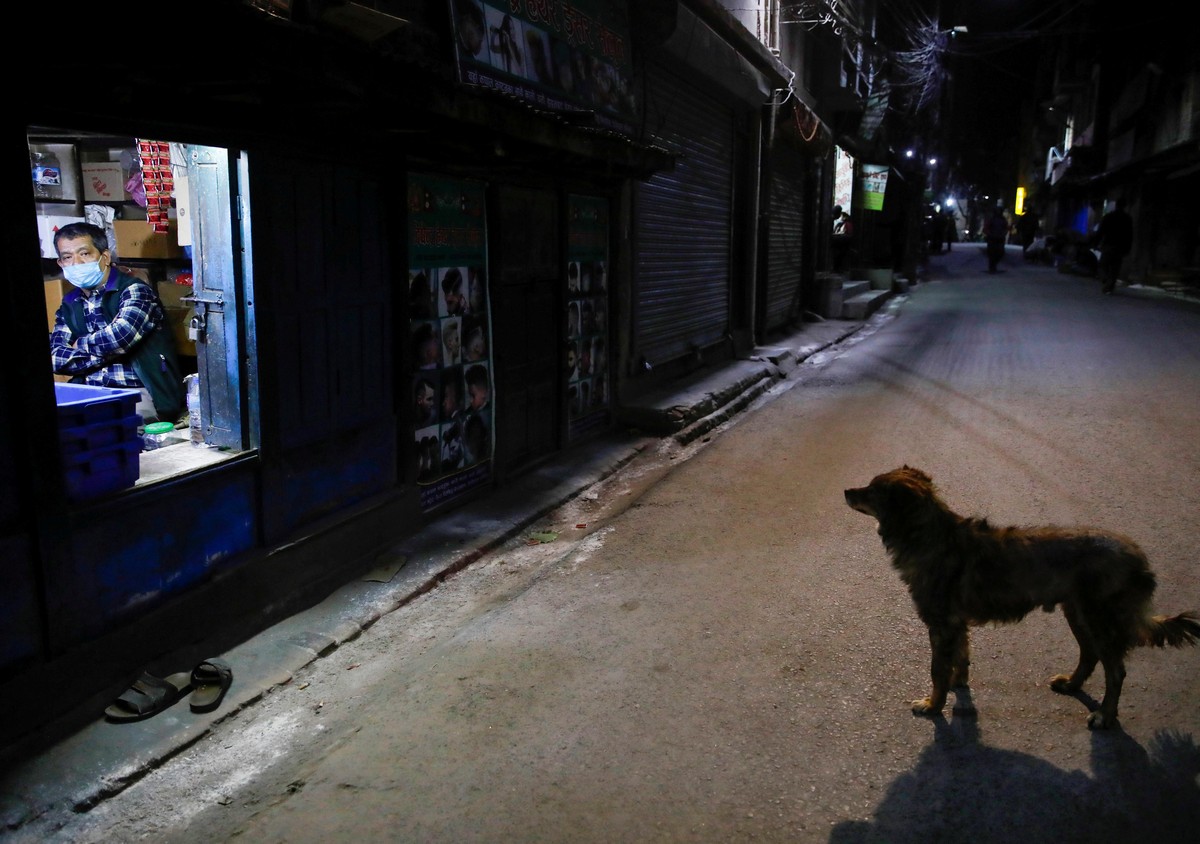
778 363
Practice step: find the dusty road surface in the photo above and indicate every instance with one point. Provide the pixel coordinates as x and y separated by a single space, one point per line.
723 653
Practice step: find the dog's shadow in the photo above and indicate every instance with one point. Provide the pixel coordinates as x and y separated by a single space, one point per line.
962 790
1083 697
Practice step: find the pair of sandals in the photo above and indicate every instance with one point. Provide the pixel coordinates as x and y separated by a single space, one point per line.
149 695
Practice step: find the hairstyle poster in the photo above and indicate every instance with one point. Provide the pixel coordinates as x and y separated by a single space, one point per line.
559 55
586 345
450 332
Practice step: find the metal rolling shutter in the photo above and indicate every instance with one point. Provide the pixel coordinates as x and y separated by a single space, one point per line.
684 222
785 244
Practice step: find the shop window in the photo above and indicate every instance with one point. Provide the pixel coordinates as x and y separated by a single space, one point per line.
174 216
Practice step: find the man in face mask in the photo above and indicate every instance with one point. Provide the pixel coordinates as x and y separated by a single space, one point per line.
111 330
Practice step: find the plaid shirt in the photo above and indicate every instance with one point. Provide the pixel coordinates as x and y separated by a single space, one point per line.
101 354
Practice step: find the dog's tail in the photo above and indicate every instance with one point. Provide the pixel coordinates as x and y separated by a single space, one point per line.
1173 631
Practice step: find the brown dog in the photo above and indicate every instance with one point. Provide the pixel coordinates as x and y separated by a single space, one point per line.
963 571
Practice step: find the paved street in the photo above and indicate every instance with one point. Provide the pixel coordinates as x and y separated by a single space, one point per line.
721 652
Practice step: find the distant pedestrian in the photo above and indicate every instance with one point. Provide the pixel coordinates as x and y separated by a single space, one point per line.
933 231
843 238
951 228
1114 238
995 233
844 225
1027 228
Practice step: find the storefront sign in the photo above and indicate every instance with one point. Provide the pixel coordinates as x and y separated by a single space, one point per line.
874 184
562 55
843 178
450 372
587 286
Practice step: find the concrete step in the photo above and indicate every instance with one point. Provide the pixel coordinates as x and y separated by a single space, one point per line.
835 291
852 288
864 304
877 278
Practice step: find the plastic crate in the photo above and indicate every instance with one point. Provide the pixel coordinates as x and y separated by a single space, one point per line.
102 470
99 434
98 438
83 404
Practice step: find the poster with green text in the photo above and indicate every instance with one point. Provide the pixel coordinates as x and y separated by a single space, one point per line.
450 332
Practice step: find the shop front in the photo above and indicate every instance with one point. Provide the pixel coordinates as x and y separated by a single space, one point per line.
697 233
794 150
282 356
364 340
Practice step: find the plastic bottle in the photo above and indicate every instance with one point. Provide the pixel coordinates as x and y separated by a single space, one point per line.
195 430
47 174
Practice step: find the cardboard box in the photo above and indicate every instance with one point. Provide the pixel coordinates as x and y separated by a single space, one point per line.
179 314
55 288
137 239
180 320
103 181
172 294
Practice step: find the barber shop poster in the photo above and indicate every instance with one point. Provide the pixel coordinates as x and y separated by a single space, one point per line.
450 332
560 55
586 344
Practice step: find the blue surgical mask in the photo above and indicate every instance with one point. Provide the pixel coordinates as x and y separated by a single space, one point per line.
85 276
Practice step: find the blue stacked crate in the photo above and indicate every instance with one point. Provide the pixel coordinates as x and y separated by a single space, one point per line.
98 436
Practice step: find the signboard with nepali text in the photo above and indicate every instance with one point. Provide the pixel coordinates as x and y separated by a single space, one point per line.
874 186
843 178
561 55
450 331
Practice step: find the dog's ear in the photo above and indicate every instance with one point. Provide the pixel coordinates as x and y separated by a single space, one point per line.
905 492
